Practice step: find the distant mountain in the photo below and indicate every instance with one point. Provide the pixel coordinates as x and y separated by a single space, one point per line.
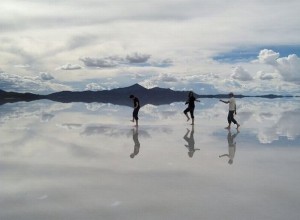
119 96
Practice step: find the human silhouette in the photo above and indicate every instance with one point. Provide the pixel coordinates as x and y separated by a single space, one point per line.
231 146
232 111
191 106
135 137
191 142
136 108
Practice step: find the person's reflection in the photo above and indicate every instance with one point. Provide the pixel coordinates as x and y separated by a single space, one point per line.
191 142
135 137
231 146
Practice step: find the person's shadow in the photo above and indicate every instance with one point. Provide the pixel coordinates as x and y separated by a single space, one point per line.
231 146
191 142
135 137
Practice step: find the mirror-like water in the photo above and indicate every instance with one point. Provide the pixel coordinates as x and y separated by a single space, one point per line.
86 161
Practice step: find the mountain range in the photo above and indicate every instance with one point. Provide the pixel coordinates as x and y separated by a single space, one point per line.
118 96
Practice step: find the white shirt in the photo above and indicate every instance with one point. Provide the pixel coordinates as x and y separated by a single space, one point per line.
232 104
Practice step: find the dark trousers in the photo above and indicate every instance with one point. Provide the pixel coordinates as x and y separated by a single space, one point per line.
135 113
230 118
191 110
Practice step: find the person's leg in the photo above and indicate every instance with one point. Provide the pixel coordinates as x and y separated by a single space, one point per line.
136 117
192 115
132 116
234 121
185 112
229 119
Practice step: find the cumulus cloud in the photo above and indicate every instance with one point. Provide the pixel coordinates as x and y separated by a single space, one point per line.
268 56
46 76
288 67
70 67
265 76
239 73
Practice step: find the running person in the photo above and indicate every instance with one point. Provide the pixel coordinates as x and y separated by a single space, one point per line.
232 111
191 106
136 106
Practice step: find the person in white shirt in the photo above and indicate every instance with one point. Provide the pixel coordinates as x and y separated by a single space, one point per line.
232 111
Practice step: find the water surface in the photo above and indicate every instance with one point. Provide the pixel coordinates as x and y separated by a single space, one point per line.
87 161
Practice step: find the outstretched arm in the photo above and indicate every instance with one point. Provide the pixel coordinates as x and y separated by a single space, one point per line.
227 155
226 102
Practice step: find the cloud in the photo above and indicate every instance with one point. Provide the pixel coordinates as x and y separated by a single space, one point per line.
70 67
135 59
106 62
239 73
268 57
288 67
94 87
265 76
16 83
46 76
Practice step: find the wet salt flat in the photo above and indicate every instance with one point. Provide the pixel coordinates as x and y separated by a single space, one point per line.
86 161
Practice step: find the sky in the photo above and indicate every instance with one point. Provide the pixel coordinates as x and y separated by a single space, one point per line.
208 46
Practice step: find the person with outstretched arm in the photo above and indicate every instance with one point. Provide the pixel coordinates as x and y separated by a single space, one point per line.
232 111
191 106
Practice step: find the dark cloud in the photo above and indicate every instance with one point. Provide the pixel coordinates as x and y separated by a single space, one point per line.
107 62
137 58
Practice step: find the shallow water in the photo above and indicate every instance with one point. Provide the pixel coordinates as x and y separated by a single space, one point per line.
86 161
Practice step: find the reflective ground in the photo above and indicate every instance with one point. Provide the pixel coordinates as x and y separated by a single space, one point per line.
86 161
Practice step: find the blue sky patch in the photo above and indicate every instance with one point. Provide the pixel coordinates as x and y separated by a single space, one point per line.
248 54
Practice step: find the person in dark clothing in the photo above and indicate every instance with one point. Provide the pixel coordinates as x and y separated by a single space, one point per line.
191 106
136 106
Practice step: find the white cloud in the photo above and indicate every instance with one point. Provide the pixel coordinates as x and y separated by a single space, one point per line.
239 73
94 87
268 56
70 67
289 68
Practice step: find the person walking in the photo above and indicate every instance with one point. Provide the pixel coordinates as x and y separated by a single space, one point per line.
136 106
191 106
232 111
